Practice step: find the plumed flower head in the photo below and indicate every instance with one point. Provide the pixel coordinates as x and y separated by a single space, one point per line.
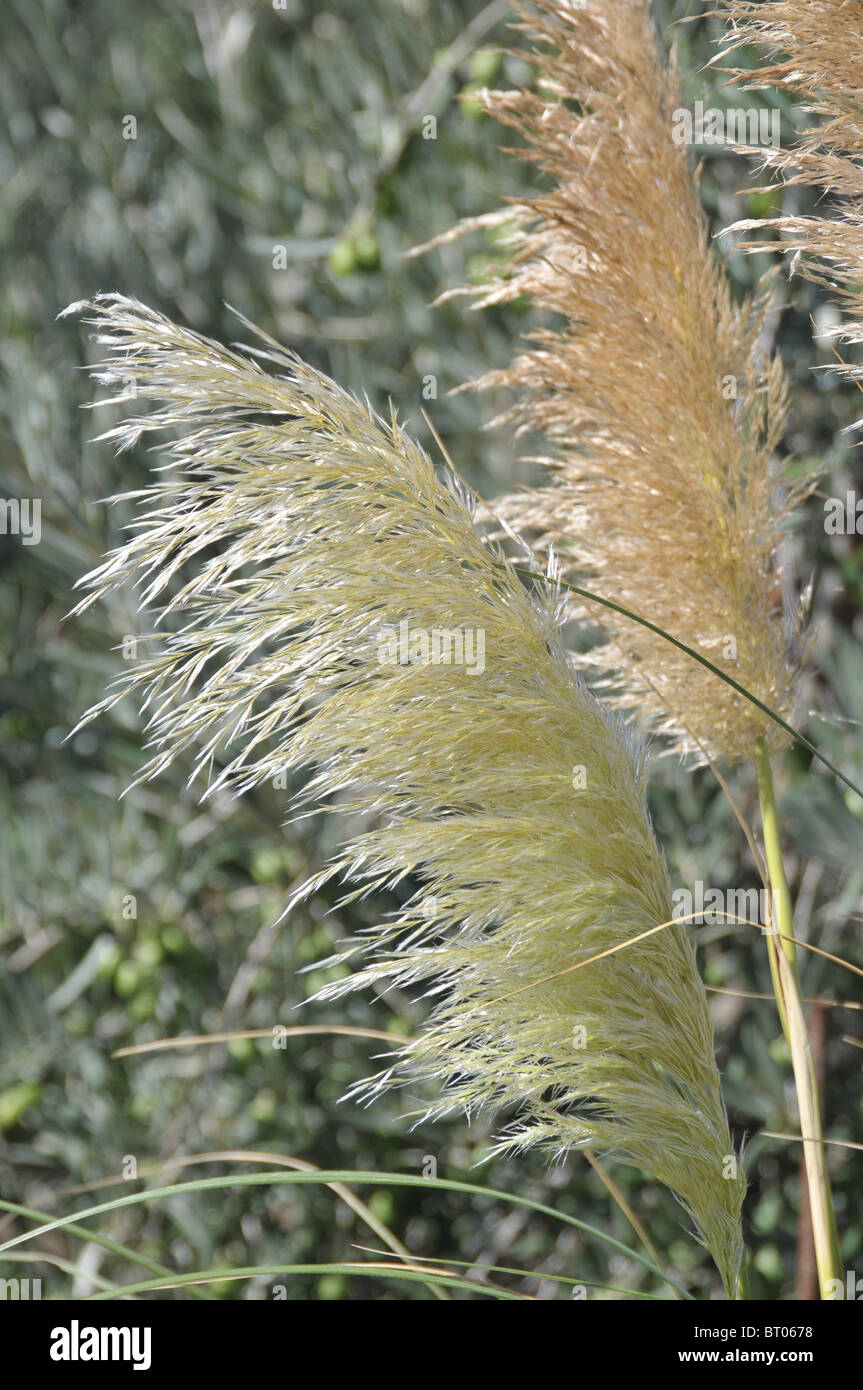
652 386
814 53
330 608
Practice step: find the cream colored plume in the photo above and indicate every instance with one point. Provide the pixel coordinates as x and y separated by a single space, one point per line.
330 609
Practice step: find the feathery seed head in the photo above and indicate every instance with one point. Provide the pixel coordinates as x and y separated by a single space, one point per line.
814 53
304 552
655 392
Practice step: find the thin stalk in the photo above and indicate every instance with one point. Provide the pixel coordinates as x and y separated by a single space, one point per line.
783 968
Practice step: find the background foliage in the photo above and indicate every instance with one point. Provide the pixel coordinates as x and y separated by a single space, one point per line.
293 138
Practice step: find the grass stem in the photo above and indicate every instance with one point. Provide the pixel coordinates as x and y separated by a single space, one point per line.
783 968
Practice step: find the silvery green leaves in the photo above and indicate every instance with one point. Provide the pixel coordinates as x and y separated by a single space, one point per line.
330 609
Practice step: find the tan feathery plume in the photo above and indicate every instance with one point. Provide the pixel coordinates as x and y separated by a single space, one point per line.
334 611
654 391
815 54
814 51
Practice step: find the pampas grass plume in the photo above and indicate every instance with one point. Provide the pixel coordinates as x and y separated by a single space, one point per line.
814 54
653 388
286 540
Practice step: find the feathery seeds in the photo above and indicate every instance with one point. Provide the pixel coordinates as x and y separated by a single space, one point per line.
300 547
815 54
654 391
